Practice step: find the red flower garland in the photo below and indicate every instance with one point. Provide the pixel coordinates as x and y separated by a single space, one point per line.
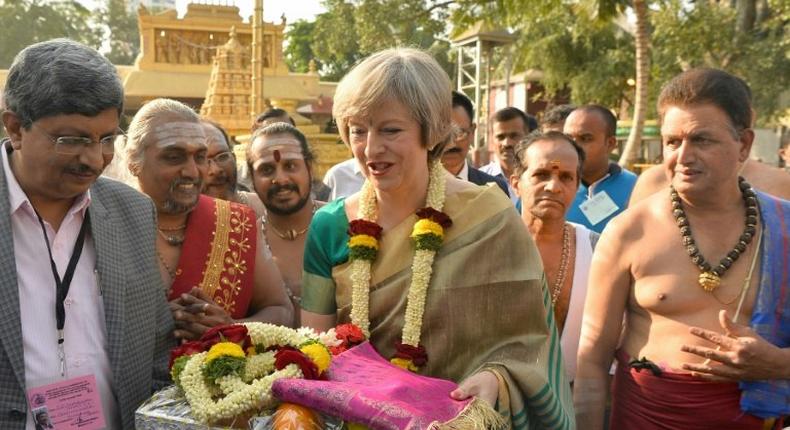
361 226
417 355
188 348
289 355
438 217
235 333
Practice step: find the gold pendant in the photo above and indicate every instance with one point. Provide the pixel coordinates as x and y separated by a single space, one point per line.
709 281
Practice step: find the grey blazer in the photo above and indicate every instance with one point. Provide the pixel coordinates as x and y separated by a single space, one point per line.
139 323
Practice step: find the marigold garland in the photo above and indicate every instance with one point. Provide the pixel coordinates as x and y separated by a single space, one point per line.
224 349
427 235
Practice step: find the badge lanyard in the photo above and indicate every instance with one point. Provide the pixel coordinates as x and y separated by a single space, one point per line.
62 285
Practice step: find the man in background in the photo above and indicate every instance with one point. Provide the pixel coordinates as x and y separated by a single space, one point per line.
510 126
454 158
605 186
554 118
221 171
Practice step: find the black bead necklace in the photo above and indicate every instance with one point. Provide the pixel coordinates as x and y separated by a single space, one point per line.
710 278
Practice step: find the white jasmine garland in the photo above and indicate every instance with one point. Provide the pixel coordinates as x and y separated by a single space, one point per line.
231 396
422 264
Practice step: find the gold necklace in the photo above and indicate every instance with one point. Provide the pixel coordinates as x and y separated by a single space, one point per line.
170 271
170 239
562 271
179 228
289 234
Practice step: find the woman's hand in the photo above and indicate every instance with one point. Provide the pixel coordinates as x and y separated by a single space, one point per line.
195 312
483 385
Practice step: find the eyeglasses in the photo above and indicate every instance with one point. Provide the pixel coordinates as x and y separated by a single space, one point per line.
73 145
462 133
221 158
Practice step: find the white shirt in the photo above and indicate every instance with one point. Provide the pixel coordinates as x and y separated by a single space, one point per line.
495 169
85 333
344 179
464 173
571 332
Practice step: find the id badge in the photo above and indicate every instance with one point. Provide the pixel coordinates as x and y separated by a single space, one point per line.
598 207
72 404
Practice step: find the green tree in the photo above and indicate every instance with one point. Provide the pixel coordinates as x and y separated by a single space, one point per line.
122 33
335 39
299 51
583 46
608 10
25 22
576 53
350 30
755 50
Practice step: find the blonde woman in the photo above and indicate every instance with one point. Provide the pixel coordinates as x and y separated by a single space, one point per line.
469 303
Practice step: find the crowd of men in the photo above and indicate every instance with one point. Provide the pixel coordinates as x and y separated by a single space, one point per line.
646 265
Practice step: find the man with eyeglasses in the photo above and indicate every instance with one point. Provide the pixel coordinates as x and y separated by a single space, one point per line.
454 157
510 126
221 173
83 307
212 255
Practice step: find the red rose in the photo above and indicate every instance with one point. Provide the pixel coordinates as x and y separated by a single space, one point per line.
432 214
361 226
288 355
417 354
350 334
337 350
188 348
236 333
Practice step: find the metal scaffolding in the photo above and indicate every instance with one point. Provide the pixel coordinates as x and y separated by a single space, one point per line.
474 49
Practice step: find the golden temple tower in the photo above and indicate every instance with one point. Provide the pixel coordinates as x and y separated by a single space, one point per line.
229 88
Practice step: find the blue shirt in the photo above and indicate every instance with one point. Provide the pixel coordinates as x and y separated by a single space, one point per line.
618 184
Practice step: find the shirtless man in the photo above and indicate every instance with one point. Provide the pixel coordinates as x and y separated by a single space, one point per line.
761 176
280 161
211 278
691 352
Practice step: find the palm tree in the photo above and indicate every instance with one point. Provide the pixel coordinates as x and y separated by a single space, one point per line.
642 42
610 9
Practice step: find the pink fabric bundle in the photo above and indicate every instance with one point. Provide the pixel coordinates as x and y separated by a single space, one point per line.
362 387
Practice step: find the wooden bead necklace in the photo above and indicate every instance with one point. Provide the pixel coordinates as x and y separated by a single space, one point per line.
710 278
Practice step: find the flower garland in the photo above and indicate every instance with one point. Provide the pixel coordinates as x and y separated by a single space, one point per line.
427 236
230 371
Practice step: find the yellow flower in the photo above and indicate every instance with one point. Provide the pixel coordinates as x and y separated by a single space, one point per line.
224 349
404 363
318 354
363 240
425 226
355 426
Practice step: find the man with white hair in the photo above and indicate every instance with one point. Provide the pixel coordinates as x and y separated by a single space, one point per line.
211 251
